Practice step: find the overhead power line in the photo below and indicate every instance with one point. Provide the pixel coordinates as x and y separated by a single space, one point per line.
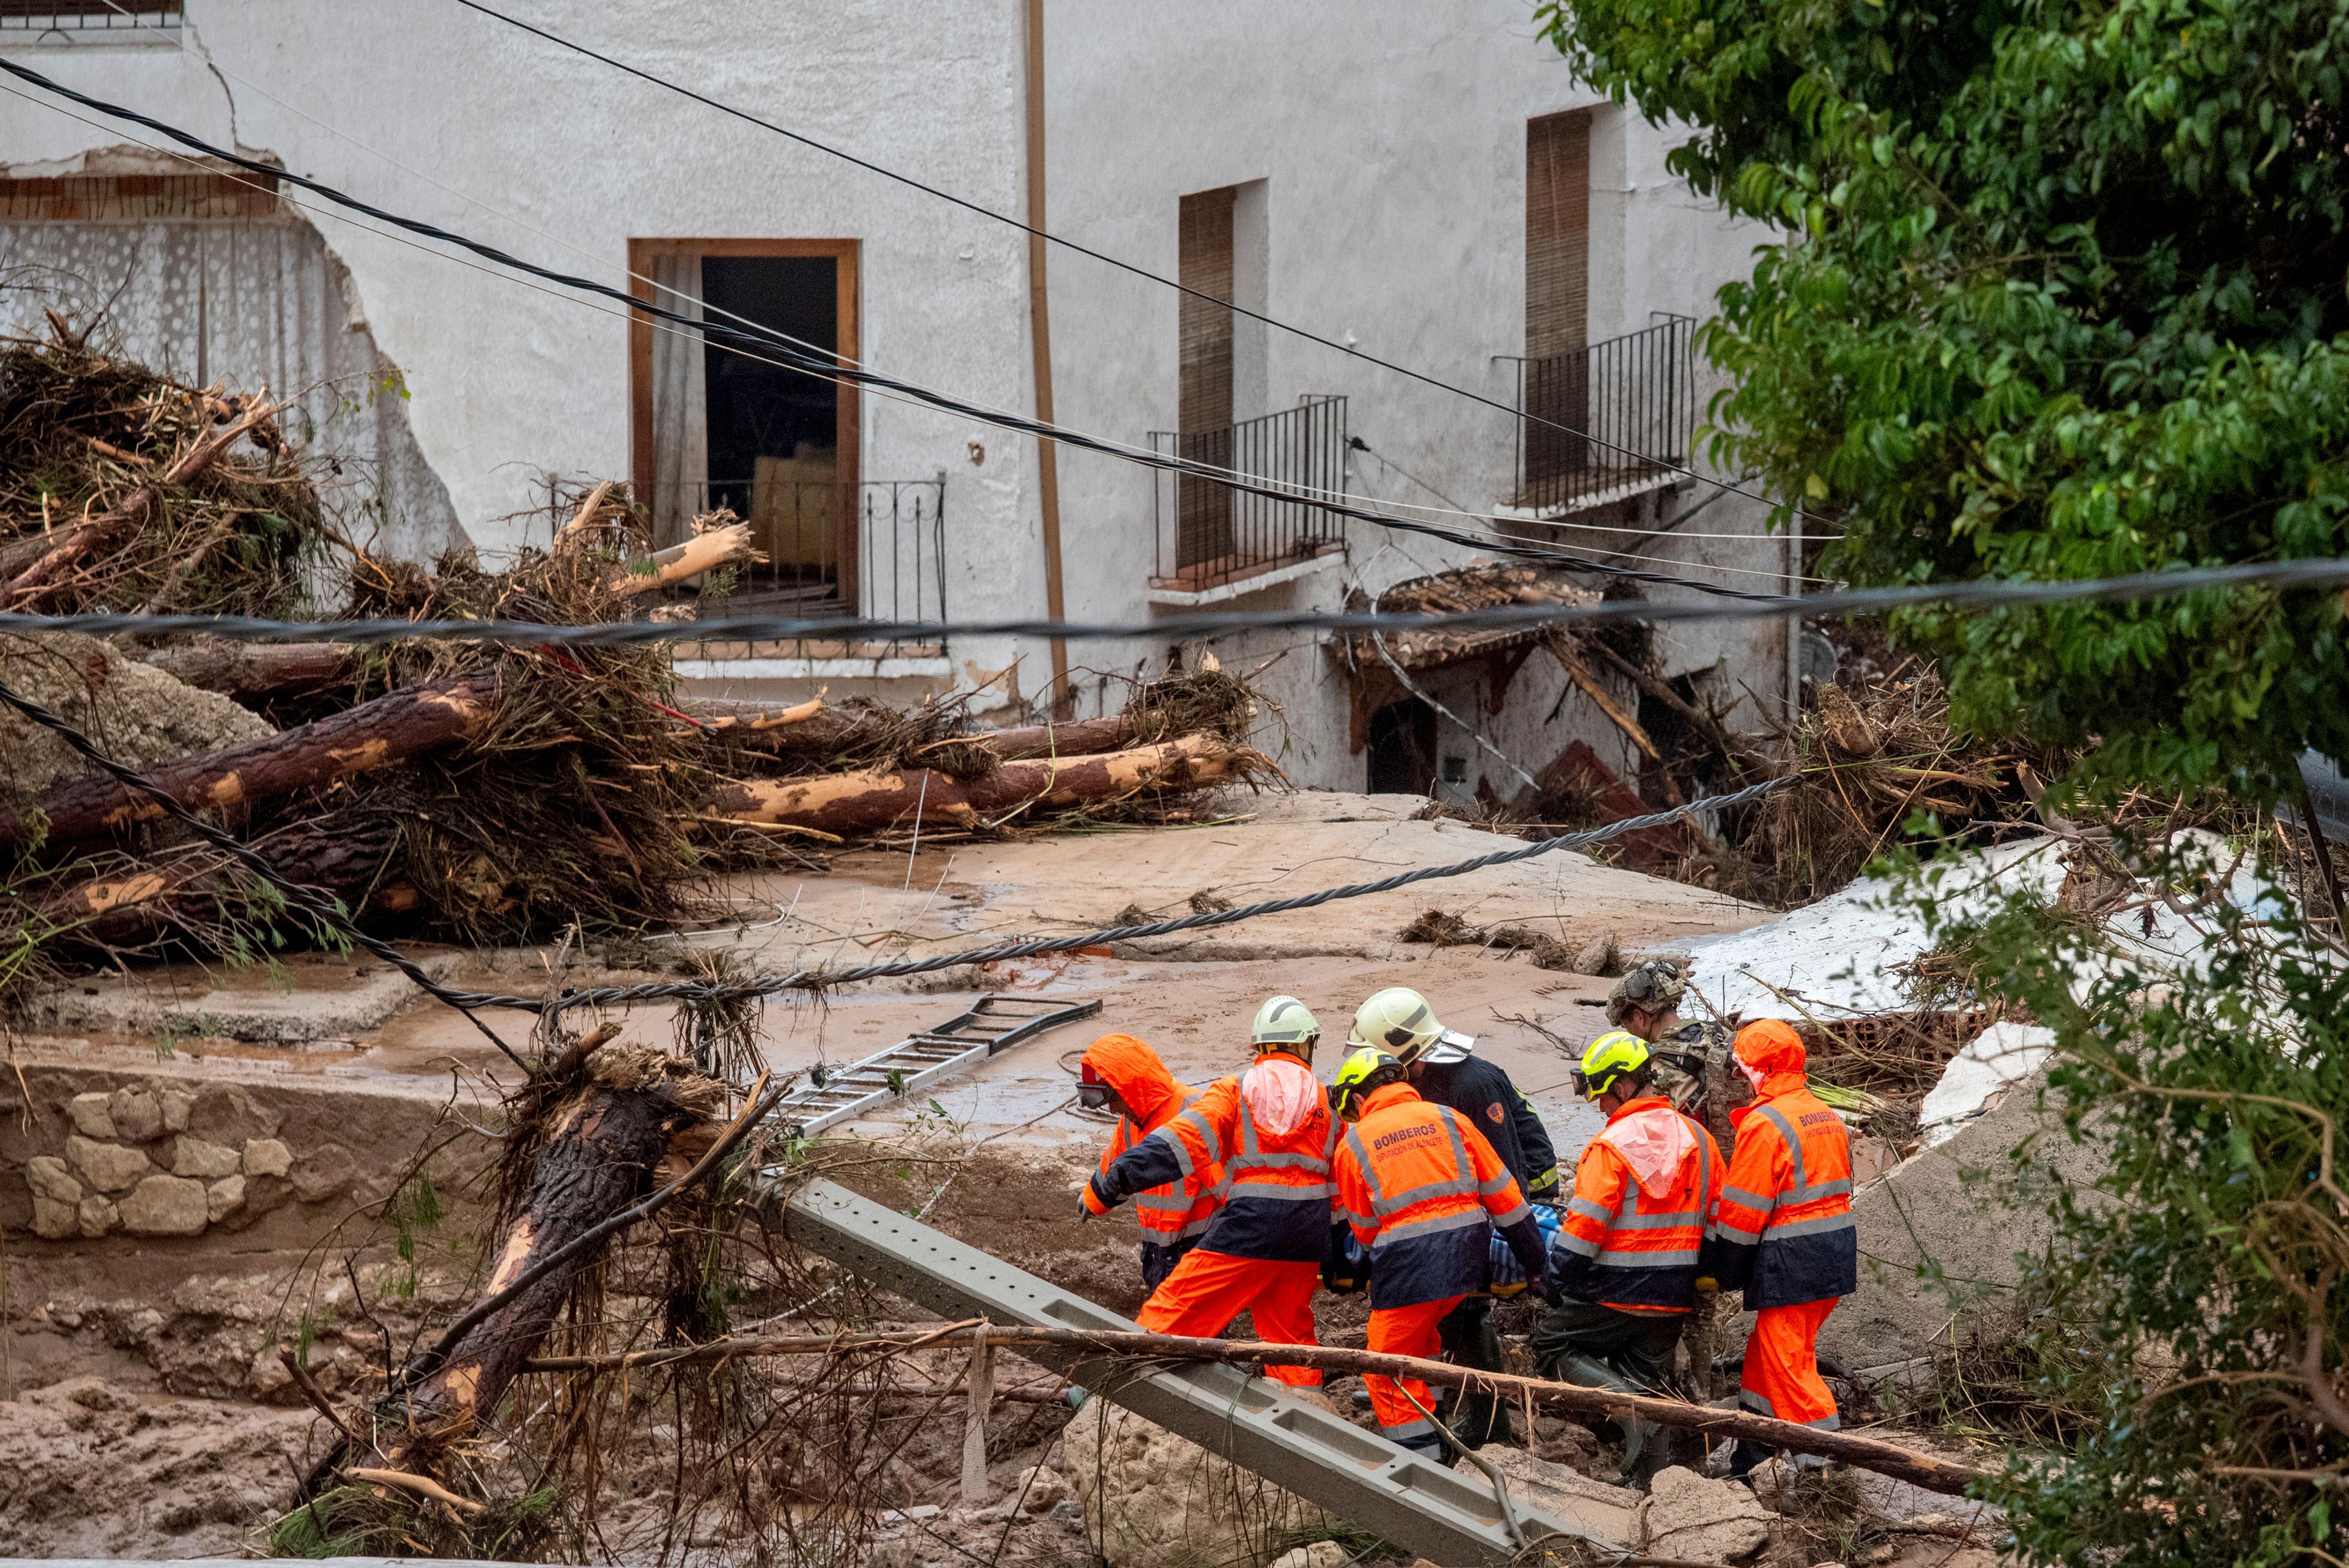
565 241
1981 593
1132 268
799 358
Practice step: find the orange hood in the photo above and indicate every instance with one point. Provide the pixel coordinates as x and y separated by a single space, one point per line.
1772 1056
1140 1078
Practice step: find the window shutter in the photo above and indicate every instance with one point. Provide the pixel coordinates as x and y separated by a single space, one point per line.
1558 234
1204 400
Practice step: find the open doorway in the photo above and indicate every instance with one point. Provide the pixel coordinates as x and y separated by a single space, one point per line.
774 443
1402 748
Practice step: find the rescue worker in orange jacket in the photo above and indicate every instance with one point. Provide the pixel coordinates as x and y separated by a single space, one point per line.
1422 1191
1271 1131
1121 1074
1624 1264
1784 1232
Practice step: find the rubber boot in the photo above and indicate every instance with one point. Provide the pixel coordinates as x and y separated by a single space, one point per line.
1470 1340
1642 1441
1745 1457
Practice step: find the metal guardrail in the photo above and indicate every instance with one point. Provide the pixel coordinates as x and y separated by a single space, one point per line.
899 571
88 15
1405 1498
1210 534
1598 424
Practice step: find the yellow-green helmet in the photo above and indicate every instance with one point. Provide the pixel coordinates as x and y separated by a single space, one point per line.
1610 1057
1397 1019
1283 1022
1354 1079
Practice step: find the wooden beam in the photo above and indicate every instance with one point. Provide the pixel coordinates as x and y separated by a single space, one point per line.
1039 334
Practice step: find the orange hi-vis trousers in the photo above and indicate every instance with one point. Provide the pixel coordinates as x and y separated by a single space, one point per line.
1406 1331
1782 1366
1207 1290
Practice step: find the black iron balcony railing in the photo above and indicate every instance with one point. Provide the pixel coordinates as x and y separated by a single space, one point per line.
1604 422
890 565
1210 534
78 15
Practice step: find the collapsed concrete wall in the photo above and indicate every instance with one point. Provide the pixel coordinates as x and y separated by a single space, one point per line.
1940 1234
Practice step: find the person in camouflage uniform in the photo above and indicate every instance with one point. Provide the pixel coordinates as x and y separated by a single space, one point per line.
1692 1063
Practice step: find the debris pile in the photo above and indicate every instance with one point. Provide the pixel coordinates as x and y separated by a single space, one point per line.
122 489
475 792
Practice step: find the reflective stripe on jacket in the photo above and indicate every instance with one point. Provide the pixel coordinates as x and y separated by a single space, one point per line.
1633 1246
1174 1210
1274 1188
1784 1232
1422 1188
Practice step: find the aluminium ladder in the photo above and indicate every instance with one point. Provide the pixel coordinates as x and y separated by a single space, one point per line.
825 1099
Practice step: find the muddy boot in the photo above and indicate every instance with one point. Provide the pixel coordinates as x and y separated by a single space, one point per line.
1745 1457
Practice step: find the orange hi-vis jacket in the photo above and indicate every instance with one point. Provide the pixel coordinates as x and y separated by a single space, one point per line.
1172 1212
1784 1232
1422 1188
1644 1192
1271 1131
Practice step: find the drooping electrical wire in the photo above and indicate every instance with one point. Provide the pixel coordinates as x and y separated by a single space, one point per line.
1987 593
795 357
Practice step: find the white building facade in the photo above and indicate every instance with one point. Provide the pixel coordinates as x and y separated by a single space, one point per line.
1425 182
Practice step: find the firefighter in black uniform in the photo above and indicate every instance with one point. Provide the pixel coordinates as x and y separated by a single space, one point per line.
1444 1071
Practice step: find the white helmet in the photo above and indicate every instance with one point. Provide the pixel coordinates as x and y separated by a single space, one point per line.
1284 1021
1397 1020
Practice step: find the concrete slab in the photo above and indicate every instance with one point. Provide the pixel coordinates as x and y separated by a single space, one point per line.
297 1000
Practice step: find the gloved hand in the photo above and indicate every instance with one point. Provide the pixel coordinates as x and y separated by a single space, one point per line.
1504 1275
1346 1267
1706 1285
1089 1201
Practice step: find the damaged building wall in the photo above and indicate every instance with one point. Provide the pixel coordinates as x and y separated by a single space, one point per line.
1388 207
210 281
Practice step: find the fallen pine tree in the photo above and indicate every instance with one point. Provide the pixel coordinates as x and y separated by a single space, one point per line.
839 804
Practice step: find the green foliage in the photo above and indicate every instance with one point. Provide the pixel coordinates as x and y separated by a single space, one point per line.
2198 1321
2062 294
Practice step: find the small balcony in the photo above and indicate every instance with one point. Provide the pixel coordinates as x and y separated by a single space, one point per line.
886 562
1217 541
1607 422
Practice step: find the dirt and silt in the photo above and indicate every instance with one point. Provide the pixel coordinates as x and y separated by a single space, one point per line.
150 1414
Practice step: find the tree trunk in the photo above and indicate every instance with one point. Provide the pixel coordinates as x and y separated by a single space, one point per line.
257 669
349 860
868 802
1086 737
603 1148
390 729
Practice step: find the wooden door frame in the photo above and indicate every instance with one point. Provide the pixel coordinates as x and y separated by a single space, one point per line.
848 423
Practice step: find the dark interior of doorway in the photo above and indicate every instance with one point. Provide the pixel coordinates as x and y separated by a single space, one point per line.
1403 747
775 431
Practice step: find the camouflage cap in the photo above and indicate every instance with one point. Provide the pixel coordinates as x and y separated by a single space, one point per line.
1655 986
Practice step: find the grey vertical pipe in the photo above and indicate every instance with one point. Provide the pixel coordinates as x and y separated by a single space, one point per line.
1795 622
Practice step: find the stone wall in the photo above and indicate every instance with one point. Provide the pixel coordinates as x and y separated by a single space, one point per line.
131 1164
